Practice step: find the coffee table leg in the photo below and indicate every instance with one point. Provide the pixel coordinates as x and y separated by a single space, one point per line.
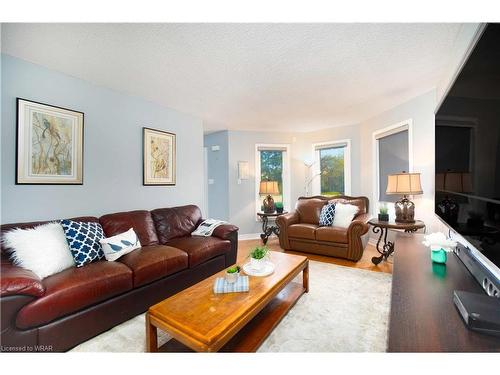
305 277
151 336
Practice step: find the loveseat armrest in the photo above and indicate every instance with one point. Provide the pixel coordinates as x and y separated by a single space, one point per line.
357 234
360 223
288 219
15 280
225 231
283 222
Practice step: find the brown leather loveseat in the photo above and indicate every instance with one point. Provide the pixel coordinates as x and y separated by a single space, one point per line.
65 309
300 230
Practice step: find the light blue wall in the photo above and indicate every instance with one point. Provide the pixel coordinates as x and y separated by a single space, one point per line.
112 149
217 163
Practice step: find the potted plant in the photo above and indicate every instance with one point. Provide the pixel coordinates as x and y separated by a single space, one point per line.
279 207
383 215
232 274
258 257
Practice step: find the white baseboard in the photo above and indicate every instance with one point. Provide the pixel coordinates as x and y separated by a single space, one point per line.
249 236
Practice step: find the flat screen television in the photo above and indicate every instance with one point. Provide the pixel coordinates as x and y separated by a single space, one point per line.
467 131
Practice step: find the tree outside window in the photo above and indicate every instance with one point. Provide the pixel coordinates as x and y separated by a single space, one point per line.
271 168
332 171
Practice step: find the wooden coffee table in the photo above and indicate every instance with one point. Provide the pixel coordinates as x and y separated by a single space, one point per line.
203 321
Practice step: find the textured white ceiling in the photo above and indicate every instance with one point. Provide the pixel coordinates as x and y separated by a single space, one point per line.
290 77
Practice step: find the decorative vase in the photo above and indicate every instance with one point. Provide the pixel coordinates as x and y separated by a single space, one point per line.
439 256
383 217
257 264
232 277
279 210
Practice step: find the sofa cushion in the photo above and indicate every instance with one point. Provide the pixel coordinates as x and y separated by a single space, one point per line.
306 231
344 213
141 221
309 210
358 202
331 234
29 225
175 222
201 249
120 245
150 263
83 240
75 289
43 249
327 215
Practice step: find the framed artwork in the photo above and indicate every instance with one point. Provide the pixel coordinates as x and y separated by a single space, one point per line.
159 157
49 147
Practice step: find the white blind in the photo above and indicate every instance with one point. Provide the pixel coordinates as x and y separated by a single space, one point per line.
392 158
271 148
331 145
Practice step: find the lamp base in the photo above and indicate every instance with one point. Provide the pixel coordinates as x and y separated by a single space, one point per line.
405 210
269 206
448 210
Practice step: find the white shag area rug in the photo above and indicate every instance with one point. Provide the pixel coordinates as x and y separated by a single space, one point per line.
346 310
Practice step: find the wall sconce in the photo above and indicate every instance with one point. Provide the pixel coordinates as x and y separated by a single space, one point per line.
243 170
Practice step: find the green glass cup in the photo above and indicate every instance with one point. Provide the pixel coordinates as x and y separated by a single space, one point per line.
439 256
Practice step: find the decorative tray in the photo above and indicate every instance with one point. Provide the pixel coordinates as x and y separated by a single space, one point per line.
265 271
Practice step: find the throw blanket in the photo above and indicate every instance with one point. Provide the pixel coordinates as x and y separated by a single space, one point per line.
207 227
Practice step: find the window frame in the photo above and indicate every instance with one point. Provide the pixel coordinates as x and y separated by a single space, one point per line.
285 174
315 169
406 125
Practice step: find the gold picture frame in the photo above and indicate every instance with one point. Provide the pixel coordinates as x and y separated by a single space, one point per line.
159 154
49 144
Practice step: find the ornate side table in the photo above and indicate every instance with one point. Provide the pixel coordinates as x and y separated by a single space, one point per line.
267 229
383 227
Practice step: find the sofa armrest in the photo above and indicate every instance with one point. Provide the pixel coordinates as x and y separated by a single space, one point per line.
283 222
357 235
224 231
359 225
16 280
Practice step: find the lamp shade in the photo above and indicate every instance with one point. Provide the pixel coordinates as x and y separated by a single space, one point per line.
459 182
404 184
269 187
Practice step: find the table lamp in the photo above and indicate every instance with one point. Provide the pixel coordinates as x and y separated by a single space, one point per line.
449 183
404 184
269 188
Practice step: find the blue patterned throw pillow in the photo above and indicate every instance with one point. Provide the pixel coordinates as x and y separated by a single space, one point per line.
83 240
327 215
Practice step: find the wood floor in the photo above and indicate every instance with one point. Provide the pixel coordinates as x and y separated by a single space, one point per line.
364 263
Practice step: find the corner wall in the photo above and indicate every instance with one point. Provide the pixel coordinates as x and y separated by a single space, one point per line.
112 176
218 174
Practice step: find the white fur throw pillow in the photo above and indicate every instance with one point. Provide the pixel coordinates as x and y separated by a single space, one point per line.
344 213
119 245
43 249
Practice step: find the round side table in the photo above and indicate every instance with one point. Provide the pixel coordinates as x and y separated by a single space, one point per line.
267 229
383 227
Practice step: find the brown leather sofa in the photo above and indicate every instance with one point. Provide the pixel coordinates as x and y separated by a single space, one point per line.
72 306
300 230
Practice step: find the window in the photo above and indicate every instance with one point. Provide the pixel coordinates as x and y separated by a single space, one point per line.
272 164
331 168
392 155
